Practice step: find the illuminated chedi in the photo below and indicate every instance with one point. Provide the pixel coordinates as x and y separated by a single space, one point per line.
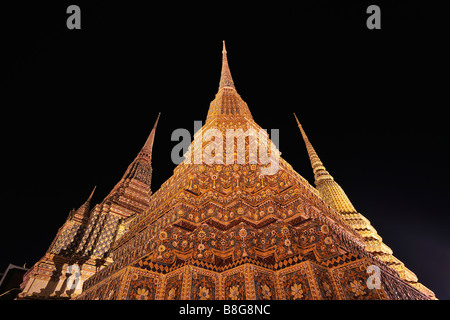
228 231
332 193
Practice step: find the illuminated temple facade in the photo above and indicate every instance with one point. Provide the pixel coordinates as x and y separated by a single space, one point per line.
221 231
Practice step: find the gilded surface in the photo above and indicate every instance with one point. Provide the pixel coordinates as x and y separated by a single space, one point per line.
227 231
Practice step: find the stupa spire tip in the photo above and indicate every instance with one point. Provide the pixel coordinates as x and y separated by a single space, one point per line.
225 77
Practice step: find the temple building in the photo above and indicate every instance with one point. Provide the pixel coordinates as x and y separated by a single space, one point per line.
222 229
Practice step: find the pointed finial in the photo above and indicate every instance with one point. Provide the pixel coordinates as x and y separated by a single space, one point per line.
320 173
88 201
148 146
225 77
156 122
302 132
83 211
92 193
298 122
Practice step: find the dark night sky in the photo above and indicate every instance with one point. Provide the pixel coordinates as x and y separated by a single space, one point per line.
78 106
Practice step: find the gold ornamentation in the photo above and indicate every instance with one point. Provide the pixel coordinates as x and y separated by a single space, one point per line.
142 294
172 292
204 293
266 292
229 232
234 292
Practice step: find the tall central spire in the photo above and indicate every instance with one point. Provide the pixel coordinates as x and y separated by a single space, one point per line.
226 81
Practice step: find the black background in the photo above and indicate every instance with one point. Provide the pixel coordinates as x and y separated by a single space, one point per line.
77 106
